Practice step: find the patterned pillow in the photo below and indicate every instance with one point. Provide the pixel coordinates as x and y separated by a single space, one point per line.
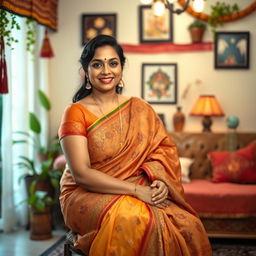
238 166
185 165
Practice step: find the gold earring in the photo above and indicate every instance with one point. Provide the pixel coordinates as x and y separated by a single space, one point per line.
121 84
88 85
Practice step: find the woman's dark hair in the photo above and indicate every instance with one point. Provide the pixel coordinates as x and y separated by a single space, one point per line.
87 55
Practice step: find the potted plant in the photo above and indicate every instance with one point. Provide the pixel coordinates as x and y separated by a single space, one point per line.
40 173
197 29
41 181
40 213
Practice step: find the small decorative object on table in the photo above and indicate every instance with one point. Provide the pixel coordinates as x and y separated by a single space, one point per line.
232 123
178 120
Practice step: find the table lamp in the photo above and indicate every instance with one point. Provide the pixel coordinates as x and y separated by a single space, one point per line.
207 106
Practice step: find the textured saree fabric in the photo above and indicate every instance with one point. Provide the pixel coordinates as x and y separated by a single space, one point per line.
137 150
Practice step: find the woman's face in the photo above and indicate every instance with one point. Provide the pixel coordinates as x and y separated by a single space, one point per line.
104 70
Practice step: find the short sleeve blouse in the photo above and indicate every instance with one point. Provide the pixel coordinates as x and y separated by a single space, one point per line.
75 120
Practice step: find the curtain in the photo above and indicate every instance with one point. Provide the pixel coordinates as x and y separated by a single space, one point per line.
26 74
43 11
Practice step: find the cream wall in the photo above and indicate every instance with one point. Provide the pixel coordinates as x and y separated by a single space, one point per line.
235 89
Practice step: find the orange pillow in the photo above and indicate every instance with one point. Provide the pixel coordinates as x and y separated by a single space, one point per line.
238 166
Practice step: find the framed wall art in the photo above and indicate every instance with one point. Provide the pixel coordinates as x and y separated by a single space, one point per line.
159 83
96 24
154 28
232 50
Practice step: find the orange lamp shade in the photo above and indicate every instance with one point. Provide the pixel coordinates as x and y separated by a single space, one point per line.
207 105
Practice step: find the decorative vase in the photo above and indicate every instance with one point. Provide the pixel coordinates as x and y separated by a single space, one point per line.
178 120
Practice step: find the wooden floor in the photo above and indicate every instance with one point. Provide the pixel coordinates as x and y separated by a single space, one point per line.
19 244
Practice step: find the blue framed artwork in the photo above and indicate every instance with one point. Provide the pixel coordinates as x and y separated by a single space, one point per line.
159 83
232 50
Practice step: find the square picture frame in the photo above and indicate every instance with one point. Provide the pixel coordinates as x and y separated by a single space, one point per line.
232 50
159 83
96 24
152 28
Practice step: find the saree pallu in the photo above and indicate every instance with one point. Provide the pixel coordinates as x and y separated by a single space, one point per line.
130 143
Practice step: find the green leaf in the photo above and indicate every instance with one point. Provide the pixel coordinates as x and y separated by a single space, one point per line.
19 141
55 183
40 205
22 177
49 200
44 100
32 188
32 199
34 123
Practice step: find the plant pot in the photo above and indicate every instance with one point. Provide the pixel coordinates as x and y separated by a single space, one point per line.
40 224
197 34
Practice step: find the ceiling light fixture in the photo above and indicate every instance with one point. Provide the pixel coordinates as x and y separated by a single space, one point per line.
159 6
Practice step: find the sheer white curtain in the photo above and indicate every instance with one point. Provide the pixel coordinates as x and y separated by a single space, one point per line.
26 74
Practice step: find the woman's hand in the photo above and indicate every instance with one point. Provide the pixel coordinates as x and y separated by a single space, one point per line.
160 192
144 193
164 204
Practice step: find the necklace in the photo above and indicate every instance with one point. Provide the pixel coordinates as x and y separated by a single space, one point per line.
119 113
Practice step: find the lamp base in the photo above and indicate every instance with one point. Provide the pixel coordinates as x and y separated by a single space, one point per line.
207 123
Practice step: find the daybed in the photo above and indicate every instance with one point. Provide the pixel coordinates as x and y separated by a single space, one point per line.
226 204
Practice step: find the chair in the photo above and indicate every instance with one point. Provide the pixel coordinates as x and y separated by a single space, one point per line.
69 249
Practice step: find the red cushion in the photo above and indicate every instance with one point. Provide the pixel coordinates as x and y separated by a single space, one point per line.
238 166
221 199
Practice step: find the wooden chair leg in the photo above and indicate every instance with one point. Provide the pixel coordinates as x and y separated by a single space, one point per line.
67 250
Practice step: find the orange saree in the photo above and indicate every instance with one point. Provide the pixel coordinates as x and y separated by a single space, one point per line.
140 151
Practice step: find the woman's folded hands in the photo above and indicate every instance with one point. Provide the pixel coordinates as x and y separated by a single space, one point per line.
156 194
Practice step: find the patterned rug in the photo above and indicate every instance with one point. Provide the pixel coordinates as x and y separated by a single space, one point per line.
221 247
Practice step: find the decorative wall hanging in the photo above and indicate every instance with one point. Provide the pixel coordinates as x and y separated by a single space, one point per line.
232 17
159 83
46 48
3 69
154 28
96 24
232 50
43 11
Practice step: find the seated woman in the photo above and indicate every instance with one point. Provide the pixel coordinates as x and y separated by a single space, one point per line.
121 194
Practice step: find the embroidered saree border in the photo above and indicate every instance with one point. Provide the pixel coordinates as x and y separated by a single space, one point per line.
43 11
108 116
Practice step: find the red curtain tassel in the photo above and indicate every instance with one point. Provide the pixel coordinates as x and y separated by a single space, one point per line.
46 49
3 69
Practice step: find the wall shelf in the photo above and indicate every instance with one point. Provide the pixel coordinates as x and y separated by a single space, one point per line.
167 47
